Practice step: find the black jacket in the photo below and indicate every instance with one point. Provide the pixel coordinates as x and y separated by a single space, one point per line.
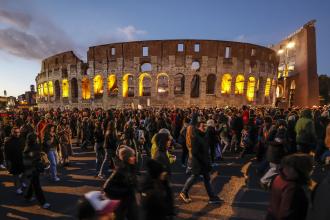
13 148
200 153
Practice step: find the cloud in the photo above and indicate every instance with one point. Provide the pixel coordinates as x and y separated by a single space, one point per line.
129 33
31 35
241 38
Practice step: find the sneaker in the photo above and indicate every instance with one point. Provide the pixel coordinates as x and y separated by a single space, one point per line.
46 206
183 165
19 191
102 177
2 166
24 185
215 200
185 197
56 179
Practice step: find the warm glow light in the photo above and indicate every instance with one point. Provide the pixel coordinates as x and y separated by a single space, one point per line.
50 88
290 45
112 85
239 84
267 87
144 78
45 89
279 91
39 90
250 88
85 88
226 84
98 85
65 88
127 84
162 83
281 51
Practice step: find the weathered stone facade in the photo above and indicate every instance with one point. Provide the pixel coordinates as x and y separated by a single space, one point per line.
165 59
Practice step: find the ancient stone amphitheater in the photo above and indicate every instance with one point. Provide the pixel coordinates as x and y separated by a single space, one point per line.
158 73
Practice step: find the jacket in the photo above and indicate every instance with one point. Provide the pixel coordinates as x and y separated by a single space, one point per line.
305 129
13 148
200 153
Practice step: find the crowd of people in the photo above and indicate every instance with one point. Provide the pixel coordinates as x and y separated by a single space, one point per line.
287 145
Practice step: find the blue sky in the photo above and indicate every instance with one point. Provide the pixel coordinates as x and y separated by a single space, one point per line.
33 29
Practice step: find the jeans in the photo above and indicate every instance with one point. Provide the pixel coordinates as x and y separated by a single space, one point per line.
99 151
52 157
106 162
34 186
193 179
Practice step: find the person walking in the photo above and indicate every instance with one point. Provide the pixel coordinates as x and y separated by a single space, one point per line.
200 165
33 168
50 144
305 129
13 148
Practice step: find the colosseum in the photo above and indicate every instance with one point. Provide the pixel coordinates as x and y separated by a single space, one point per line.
159 73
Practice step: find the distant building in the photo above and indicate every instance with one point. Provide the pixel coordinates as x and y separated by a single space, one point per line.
28 99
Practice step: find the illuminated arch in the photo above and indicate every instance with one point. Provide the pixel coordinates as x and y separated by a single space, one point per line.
226 84
179 83
279 91
267 87
50 88
57 90
65 88
45 88
39 90
239 84
85 88
144 84
74 88
112 87
250 88
98 86
128 85
162 84
210 84
293 85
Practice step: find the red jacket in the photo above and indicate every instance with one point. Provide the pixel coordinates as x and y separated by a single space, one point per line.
288 200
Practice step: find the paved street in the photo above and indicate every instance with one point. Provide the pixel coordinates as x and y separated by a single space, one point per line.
241 201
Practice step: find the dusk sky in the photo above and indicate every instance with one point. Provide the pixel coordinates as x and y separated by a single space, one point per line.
31 30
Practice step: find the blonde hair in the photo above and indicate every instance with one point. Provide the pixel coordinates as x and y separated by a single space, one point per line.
327 137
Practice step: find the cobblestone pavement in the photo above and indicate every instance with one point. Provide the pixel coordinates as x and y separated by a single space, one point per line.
243 198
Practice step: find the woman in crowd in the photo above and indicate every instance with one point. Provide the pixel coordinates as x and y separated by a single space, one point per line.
50 144
33 167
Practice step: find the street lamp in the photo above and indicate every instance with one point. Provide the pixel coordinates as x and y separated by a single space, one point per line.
285 51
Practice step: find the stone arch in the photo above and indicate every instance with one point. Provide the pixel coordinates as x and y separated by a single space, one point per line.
162 84
179 83
85 88
279 91
50 88
39 91
128 85
226 84
250 88
98 86
210 83
45 88
74 88
145 84
267 87
195 84
112 86
65 88
239 84
57 90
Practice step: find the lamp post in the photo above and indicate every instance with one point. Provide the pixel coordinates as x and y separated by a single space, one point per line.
285 74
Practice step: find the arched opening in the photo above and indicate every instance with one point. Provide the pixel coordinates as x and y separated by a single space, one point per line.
65 88
57 90
50 88
74 89
239 84
291 93
250 88
98 86
146 67
195 83
112 85
39 90
226 84
210 84
128 85
145 84
267 87
179 83
279 91
85 88
45 89
162 84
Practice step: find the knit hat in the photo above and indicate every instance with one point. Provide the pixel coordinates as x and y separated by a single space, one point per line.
125 152
94 203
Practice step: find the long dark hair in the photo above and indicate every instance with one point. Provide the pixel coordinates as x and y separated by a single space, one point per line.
31 143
